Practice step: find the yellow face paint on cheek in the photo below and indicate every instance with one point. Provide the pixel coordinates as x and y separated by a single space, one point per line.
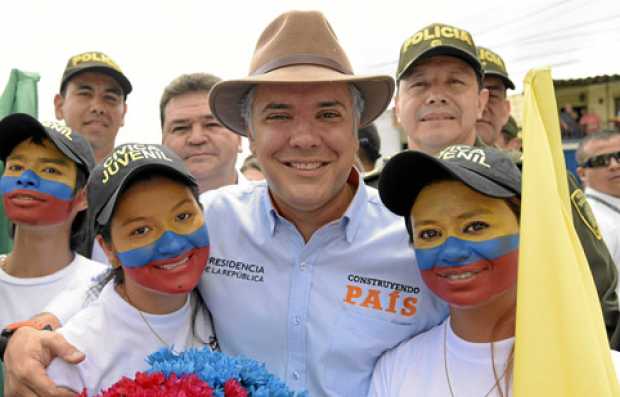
44 159
466 243
38 185
160 237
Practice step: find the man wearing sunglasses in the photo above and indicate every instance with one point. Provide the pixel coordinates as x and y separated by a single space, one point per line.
598 156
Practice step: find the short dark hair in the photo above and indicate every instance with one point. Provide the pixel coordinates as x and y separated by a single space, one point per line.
580 154
250 162
186 83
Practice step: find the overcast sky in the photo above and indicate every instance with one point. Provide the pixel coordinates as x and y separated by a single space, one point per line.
155 41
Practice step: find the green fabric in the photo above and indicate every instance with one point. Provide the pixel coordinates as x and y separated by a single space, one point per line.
19 96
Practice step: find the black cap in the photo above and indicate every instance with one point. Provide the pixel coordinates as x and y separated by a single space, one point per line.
484 169
18 127
370 142
94 61
124 163
438 39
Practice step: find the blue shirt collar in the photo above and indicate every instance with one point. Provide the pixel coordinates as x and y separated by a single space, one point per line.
350 220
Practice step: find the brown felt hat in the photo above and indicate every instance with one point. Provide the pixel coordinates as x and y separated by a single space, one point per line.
298 47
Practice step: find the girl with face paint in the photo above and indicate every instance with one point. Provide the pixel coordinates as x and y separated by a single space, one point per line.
462 214
43 193
152 229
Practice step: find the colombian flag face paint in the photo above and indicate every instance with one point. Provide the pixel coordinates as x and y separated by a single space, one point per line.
160 236
38 184
466 243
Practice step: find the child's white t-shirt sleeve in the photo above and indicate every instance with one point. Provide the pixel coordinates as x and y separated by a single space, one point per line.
67 375
381 376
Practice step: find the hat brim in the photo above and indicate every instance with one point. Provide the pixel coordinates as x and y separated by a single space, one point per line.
120 78
104 215
507 82
225 98
407 173
448 50
18 127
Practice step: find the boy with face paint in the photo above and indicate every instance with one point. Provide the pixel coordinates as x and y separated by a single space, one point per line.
462 215
43 193
144 203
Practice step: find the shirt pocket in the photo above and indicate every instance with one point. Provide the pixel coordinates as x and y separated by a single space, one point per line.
357 340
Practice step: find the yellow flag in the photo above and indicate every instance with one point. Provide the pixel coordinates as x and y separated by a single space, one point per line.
561 345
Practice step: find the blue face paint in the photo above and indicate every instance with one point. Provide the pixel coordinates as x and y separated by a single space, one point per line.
169 245
29 180
458 252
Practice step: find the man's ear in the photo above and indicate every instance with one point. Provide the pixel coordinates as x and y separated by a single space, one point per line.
581 171
124 113
58 102
108 250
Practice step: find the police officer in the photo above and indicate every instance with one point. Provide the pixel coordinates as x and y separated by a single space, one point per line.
439 100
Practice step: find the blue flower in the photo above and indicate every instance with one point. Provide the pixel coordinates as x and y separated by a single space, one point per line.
216 368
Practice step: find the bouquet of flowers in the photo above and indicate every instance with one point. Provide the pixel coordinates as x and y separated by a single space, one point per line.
203 373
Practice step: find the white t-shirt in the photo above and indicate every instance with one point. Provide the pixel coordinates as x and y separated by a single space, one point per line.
21 298
116 340
418 368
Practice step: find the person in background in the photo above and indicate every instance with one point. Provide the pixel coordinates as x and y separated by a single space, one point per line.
93 99
497 110
510 136
251 169
189 128
598 159
369 154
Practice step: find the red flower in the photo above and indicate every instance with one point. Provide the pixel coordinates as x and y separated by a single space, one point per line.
156 385
232 388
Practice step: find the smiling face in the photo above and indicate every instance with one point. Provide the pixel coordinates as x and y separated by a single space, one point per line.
466 243
496 112
438 104
159 236
93 105
303 136
38 184
208 149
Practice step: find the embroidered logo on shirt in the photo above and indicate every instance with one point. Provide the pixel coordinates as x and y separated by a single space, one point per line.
375 294
236 269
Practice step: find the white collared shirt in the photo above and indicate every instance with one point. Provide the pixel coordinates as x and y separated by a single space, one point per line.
608 221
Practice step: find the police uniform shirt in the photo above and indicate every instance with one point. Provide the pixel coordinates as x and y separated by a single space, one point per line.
320 313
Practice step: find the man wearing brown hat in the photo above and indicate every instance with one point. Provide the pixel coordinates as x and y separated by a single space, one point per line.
308 271
439 99
93 99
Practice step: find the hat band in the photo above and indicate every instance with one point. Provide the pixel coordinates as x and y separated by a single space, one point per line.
300 59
